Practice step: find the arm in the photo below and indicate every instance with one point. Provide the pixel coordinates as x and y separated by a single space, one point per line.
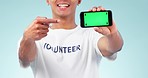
110 44
27 51
112 41
36 31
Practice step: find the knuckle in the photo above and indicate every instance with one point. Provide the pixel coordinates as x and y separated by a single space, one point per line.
37 26
44 35
47 30
35 21
38 32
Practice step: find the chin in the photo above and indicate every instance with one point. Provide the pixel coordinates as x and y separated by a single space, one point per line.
63 15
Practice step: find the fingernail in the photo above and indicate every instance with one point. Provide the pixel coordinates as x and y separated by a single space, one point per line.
94 9
58 20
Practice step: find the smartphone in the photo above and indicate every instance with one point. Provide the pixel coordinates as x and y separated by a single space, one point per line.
96 19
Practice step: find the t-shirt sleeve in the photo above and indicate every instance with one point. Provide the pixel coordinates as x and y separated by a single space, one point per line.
96 37
34 62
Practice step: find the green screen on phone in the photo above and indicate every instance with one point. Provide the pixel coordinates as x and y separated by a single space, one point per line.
96 19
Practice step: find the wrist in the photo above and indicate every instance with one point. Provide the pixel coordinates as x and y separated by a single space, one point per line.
28 38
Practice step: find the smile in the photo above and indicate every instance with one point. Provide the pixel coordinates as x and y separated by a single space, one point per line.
63 5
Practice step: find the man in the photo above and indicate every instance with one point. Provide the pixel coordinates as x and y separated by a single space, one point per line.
65 50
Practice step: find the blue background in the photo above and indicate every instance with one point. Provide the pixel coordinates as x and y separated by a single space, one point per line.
131 17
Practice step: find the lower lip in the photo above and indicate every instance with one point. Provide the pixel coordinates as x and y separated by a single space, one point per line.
62 8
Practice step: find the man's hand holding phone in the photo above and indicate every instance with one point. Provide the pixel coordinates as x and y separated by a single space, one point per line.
105 30
112 41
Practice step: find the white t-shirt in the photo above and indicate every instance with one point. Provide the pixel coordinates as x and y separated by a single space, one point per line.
68 54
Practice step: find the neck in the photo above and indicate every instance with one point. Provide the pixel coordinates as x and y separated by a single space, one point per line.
65 23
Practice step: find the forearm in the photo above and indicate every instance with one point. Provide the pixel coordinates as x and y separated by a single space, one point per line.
114 42
27 51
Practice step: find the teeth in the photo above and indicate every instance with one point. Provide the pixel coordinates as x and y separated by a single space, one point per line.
63 5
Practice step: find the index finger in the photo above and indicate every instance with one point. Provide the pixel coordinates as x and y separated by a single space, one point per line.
46 21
